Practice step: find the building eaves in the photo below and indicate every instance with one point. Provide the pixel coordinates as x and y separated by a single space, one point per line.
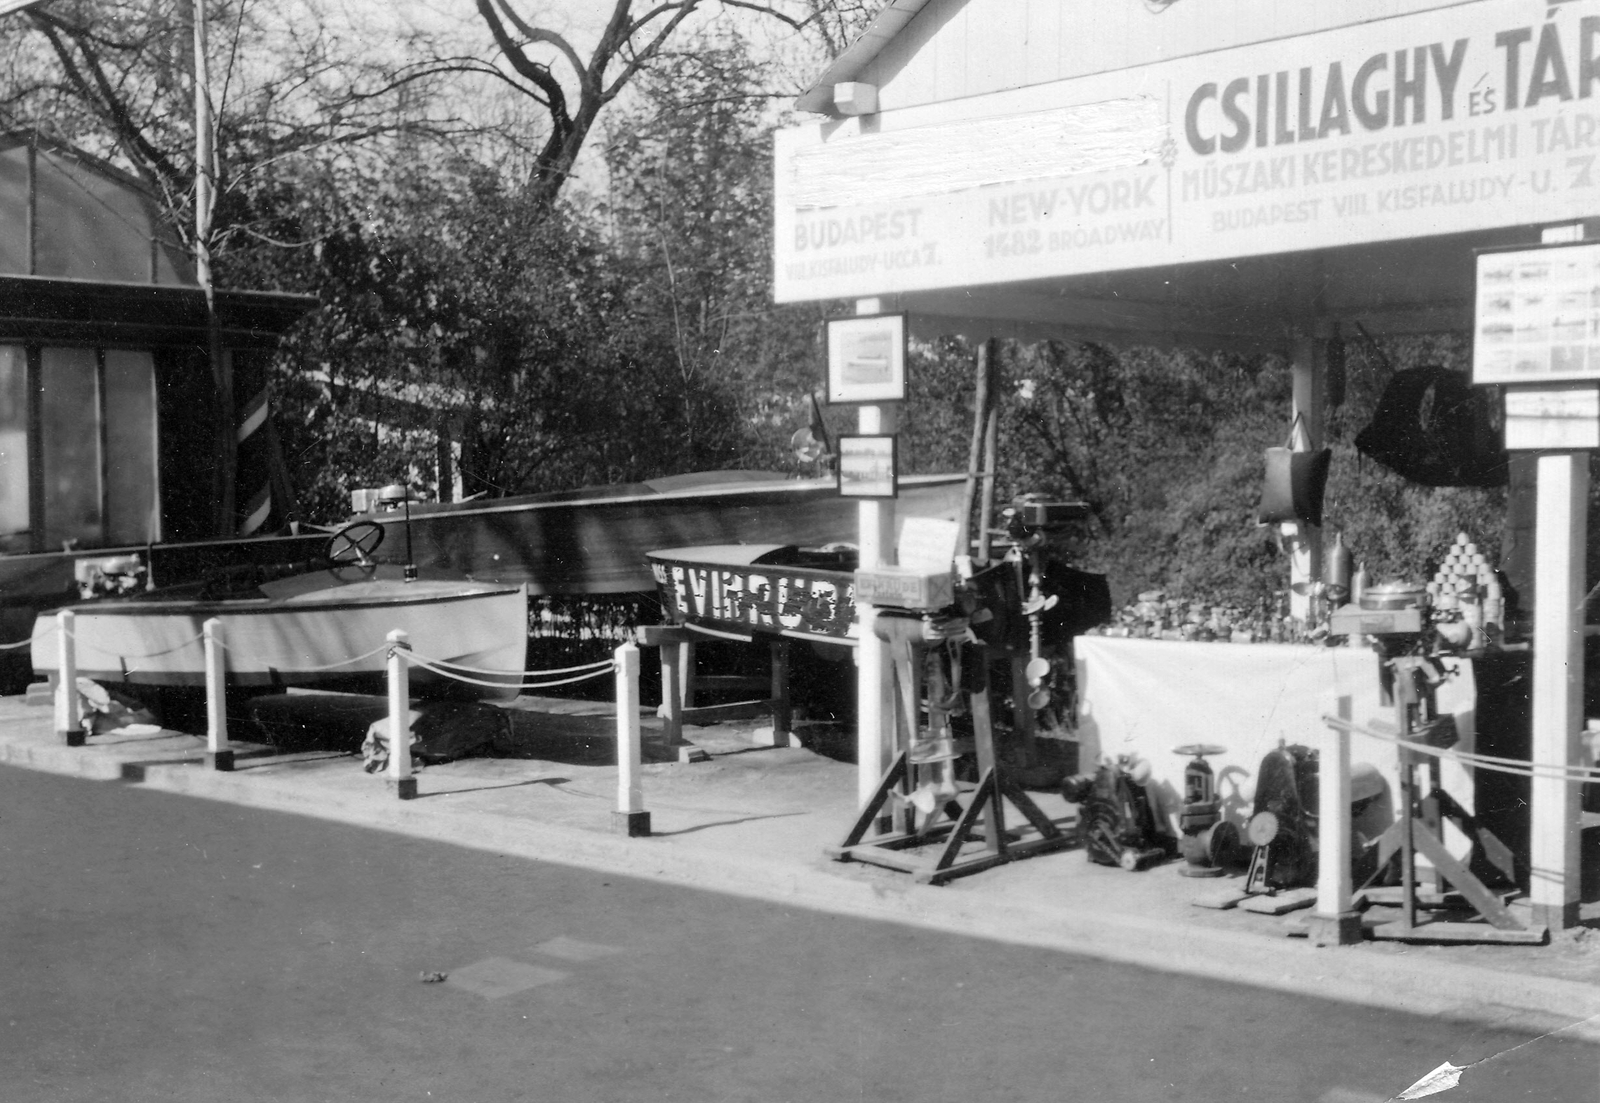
855 59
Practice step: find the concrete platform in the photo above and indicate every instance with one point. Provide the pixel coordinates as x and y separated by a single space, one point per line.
754 819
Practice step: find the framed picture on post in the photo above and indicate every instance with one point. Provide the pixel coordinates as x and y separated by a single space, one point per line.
867 358
869 466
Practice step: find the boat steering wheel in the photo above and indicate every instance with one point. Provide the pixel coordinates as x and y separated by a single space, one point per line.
355 543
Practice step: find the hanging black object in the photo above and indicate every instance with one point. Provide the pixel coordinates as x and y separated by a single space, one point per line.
1434 428
1294 483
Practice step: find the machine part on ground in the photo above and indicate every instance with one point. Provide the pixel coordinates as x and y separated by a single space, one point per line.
1118 821
1283 825
1206 839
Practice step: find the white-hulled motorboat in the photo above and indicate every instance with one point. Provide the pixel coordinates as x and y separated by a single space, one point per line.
324 628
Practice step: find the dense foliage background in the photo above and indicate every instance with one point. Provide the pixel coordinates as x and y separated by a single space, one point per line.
563 260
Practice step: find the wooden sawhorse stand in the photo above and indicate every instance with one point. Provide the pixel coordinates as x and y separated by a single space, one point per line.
679 683
968 825
1418 831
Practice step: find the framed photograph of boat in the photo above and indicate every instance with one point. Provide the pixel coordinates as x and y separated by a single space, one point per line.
867 358
869 467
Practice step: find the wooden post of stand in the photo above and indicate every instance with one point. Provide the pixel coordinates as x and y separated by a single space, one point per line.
69 729
1559 544
1335 920
219 756
782 713
405 786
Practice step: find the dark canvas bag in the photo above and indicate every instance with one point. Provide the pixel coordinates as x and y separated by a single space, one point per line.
1433 427
1294 484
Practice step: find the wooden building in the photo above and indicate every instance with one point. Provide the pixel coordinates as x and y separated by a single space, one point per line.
109 413
1241 174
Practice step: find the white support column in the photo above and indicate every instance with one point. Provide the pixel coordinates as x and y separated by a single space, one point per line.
219 756
875 703
1335 920
400 716
1560 534
630 818
1310 385
69 729
874 667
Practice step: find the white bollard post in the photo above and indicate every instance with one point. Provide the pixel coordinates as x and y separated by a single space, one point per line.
400 716
1335 920
68 728
630 818
219 756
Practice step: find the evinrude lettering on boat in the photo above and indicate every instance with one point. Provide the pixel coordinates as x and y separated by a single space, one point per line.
758 600
698 592
791 601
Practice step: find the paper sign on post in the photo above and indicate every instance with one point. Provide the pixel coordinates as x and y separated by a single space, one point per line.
1554 418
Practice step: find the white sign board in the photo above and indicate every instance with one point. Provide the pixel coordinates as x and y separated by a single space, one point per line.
1475 116
1553 418
867 358
1538 315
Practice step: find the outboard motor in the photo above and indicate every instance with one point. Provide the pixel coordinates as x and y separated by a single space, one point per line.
1118 822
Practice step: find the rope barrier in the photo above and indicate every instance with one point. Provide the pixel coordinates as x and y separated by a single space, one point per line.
1513 766
140 655
521 680
602 665
380 649
511 680
15 646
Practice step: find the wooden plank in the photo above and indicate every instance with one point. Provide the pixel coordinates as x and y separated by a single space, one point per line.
1462 880
987 797
895 775
1280 904
782 718
1456 932
888 859
654 635
725 682
1221 899
1024 804
734 710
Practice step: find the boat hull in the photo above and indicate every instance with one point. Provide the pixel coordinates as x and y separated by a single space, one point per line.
598 545
336 640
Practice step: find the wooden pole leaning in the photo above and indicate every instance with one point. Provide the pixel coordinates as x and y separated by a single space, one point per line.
69 730
1335 920
219 755
630 818
400 716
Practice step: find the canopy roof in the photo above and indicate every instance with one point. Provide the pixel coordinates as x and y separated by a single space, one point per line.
1231 173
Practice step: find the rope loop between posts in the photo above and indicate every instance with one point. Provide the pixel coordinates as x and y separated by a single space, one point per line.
190 642
507 679
1513 766
19 643
310 669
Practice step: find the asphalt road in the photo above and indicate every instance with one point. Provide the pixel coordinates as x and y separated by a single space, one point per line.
156 947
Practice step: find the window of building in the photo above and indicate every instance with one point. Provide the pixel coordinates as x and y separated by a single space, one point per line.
77 448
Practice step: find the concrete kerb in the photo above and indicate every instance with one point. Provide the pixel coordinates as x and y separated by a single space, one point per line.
1419 986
